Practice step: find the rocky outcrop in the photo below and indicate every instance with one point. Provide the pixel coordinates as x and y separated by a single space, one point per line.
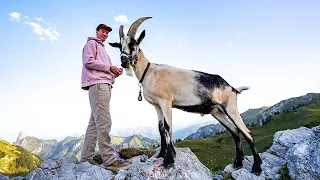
296 150
187 167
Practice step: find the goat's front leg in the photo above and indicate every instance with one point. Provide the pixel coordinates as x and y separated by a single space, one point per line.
167 120
163 146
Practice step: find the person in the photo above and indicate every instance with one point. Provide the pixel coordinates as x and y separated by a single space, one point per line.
98 76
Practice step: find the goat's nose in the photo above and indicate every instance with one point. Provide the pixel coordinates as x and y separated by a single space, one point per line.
124 61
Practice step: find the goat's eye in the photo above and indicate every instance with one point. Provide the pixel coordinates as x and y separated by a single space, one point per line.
131 45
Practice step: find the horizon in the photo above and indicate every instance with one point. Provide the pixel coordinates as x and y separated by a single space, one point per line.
272 47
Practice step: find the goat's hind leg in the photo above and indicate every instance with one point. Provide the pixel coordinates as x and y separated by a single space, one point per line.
233 113
224 120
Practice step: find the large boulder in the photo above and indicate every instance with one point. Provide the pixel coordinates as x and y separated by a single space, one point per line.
297 150
187 166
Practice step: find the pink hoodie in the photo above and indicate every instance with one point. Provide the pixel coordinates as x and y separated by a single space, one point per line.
96 64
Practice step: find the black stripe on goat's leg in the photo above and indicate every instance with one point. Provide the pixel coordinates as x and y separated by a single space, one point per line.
163 145
238 161
163 140
169 157
256 168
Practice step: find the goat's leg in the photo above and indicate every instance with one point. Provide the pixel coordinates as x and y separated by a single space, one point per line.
167 113
224 120
233 113
163 145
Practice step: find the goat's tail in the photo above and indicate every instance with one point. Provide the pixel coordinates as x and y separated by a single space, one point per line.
240 89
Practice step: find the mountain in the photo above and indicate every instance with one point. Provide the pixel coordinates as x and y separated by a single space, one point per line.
15 160
218 151
259 116
207 131
138 141
283 106
184 132
71 146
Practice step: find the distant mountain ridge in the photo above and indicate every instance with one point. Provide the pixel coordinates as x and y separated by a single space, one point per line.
71 146
259 116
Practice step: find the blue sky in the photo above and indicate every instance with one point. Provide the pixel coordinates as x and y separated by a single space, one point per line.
271 46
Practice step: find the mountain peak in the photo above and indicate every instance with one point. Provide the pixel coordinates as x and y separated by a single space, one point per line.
21 136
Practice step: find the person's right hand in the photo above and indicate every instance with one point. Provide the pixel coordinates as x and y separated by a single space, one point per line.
115 70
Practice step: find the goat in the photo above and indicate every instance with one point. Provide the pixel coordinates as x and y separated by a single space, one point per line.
167 87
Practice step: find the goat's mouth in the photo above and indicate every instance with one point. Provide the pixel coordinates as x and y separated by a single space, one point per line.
125 65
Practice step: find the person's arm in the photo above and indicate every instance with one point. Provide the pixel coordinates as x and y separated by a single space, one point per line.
89 55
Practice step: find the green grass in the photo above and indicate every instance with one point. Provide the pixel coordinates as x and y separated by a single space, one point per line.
218 151
284 173
16 161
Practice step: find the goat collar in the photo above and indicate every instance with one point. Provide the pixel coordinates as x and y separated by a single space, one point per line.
144 73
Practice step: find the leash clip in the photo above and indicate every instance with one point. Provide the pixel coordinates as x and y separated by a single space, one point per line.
140 97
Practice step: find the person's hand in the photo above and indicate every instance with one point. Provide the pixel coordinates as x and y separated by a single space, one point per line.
120 70
116 70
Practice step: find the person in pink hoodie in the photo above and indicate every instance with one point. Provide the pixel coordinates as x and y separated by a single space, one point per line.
98 75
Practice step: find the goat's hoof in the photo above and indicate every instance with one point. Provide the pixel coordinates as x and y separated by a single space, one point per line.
256 169
161 154
238 163
168 160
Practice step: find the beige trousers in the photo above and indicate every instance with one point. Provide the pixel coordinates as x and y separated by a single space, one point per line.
99 125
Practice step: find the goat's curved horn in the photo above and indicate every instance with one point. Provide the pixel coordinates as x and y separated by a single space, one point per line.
133 28
121 34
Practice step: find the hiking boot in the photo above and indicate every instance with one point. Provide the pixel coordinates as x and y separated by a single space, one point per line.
91 161
117 165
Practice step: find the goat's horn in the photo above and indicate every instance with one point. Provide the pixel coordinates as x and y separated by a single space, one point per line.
121 34
133 28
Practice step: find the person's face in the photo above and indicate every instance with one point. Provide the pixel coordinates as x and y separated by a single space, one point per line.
102 34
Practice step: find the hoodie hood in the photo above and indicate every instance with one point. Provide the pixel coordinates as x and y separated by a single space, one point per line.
96 39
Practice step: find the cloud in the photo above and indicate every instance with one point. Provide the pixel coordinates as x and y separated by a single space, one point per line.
37 19
121 19
40 27
44 33
15 16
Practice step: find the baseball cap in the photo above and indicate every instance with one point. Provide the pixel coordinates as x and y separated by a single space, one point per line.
103 26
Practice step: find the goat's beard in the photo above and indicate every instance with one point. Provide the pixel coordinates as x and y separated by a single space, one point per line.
129 71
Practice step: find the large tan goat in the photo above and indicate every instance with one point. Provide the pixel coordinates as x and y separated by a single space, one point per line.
167 87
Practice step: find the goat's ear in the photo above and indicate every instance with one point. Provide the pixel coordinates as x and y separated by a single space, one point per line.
115 44
143 33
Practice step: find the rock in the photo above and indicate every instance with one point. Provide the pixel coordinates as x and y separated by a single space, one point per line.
244 174
187 166
270 167
304 160
316 131
61 168
17 178
283 140
3 177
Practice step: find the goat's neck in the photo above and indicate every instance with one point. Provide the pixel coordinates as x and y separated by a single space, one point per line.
141 65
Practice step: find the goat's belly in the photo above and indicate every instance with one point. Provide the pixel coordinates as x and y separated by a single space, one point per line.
203 108
194 104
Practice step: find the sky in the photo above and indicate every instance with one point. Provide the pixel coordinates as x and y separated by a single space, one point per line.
271 46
